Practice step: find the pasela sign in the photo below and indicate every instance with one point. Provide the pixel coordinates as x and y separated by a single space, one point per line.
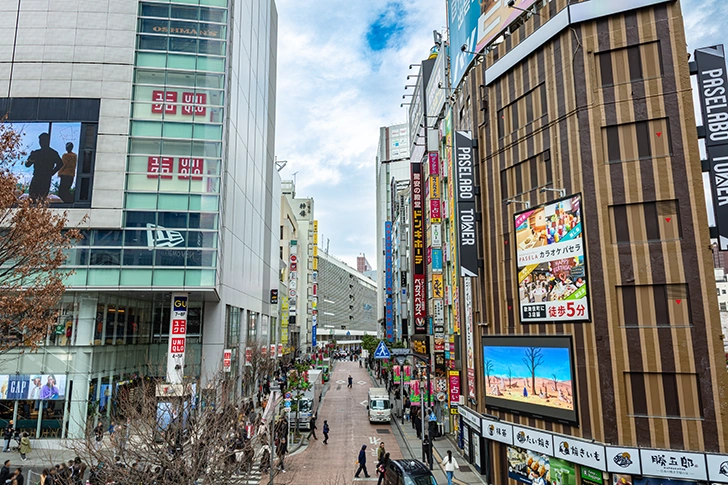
465 176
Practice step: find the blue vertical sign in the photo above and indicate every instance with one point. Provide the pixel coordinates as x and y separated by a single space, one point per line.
389 314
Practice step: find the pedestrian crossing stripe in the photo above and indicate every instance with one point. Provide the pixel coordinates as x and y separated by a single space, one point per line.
382 351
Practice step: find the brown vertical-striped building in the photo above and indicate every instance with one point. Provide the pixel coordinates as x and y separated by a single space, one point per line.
604 108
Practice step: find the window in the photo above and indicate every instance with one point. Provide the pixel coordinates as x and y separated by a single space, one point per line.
379 405
667 395
629 64
723 306
523 111
645 222
527 176
642 140
654 305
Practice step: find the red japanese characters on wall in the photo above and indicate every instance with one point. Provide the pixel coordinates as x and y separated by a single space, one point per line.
186 168
191 104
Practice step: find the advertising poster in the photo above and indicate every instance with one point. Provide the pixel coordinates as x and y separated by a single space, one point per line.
621 479
534 468
462 16
552 275
419 291
415 393
495 16
530 375
397 374
454 387
406 374
47 387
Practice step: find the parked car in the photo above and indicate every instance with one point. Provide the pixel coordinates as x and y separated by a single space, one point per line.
408 472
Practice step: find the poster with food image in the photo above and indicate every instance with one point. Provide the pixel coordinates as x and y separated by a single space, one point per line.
550 260
534 468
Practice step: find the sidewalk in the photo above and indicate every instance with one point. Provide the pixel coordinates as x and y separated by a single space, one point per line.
411 447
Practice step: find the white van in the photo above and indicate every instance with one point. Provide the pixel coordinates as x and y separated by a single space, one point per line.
378 405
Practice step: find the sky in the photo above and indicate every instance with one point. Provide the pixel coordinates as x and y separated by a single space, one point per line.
342 68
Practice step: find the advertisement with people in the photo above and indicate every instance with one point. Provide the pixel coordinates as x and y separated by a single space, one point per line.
534 468
530 375
46 169
47 387
552 274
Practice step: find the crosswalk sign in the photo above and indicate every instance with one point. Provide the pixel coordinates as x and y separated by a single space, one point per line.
382 352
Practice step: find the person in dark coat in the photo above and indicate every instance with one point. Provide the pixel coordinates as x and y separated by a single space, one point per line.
312 425
8 435
326 432
362 461
5 471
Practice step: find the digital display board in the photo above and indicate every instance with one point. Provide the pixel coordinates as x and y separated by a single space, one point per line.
530 375
551 265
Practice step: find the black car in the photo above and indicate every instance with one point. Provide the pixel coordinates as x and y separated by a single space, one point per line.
408 472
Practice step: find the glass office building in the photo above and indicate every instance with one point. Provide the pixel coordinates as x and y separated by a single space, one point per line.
167 111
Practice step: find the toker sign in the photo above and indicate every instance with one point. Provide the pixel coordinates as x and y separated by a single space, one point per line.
465 177
713 83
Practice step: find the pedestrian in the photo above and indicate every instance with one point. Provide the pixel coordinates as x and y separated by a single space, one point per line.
351 380
8 435
380 452
362 462
407 404
282 450
112 429
449 464
5 472
265 459
312 425
17 478
24 446
326 432
98 435
382 468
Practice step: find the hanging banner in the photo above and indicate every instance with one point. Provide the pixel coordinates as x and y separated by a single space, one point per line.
454 390
177 339
418 251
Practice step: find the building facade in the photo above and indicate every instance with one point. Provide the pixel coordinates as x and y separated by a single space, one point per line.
594 331
167 111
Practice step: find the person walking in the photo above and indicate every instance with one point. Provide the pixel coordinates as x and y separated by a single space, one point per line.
382 468
99 435
5 472
24 446
8 435
282 450
326 432
312 425
351 380
380 452
17 478
449 464
362 462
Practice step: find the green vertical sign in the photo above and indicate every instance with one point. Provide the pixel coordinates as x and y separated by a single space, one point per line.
590 476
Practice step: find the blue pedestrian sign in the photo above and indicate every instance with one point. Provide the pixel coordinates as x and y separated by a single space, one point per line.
382 352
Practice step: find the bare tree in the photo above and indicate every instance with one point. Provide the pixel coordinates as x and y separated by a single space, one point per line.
510 377
533 358
555 380
175 435
33 240
258 364
488 367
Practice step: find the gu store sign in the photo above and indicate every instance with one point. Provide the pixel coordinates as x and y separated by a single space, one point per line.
177 339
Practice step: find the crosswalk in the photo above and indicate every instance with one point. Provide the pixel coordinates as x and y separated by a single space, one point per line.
253 478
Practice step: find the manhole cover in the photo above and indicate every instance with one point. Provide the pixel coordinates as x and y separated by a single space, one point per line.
383 431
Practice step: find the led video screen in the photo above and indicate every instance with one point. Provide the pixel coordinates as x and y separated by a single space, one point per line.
530 375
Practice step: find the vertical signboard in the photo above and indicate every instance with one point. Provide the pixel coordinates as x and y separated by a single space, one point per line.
470 346
177 339
388 257
292 278
465 180
418 250
454 388
389 316
712 85
227 358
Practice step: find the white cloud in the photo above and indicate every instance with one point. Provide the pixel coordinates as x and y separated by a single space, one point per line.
333 95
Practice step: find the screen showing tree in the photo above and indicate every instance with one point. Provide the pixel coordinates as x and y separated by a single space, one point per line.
55 155
530 375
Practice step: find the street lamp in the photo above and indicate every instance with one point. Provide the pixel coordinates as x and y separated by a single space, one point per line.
561 192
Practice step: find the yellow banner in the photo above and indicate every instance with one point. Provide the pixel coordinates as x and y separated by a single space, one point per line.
438 288
526 271
434 187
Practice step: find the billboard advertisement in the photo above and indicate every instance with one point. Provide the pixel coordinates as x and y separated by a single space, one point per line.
47 387
57 148
551 264
712 82
495 16
465 179
532 467
530 375
462 22
418 250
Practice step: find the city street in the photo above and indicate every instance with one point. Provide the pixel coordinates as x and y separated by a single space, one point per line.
345 410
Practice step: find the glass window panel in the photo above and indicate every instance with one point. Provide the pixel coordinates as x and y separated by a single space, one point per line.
208 132
105 257
203 221
145 147
176 184
213 47
198 277
178 12
177 130
168 277
201 258
103 277
154 26
144 76
138 257
76 279
134 238
173 201
177 147
136 277
201 239
152 43
211 64
213 14
140 219
149 59
154 10
208 185
146 128
182 44
210 80
208 203
207 149
76 257
141 201
107 238
180 79
214 3
216 31
141 182
173 219
179 61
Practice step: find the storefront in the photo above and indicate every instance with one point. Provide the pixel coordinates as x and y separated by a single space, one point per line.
472 441
526 455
